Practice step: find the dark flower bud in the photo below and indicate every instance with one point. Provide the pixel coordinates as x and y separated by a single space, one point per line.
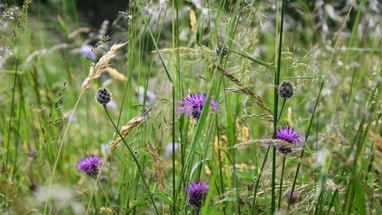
285 90
103 96
221 50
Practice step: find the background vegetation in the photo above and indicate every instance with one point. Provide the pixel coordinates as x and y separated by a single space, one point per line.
330 51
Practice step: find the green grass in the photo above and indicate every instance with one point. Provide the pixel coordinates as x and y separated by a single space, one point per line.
336 108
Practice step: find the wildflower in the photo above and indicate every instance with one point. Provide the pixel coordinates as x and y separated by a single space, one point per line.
103 96
112 104
289 135
169 151
90 165
193 105
71 113
88 52
293 197
197 193
148 99
33 154
285 90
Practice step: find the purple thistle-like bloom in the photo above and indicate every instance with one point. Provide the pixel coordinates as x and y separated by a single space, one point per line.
293 197
88 52
33 154
90 165
193 105
289 135
197 193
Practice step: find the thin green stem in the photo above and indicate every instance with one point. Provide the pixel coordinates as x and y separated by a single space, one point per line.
258 180
281 182
61 144
275 107
306 138
134 158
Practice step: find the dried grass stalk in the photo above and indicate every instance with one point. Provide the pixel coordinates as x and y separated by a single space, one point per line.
113 72
244 89
157 166
125 130
102 65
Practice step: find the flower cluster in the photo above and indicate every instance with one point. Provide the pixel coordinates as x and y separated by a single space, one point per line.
289 135
90 165
193 105
197 193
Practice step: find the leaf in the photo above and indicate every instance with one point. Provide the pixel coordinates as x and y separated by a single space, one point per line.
360 197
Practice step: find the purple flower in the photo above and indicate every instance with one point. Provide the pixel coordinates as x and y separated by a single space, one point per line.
148 99
197 193
88 52
169 151
33 154
293 197
112 104
193 105
90 165
289 135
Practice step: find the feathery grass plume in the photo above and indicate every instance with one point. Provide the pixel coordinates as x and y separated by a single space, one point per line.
102 65
198 54
46 51
244 134
157 166
244 89
126 129
217 147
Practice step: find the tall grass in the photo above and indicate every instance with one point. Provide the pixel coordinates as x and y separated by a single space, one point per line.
236 53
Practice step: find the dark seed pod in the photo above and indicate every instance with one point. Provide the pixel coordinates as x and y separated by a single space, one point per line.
103 96
285 90
221 50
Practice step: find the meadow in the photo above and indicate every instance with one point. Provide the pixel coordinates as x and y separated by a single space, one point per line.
191 107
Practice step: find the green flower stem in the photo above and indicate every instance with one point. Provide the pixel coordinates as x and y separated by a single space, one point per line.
134 158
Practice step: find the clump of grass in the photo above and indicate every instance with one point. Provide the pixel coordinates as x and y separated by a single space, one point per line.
226 107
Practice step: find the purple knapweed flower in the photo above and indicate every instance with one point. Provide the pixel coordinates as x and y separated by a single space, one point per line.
293 197
197 193
88 52
33 154
193 105
289 135
90 165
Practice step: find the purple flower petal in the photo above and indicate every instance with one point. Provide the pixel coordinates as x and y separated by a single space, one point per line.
197 193
90 165
193 104
88 52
